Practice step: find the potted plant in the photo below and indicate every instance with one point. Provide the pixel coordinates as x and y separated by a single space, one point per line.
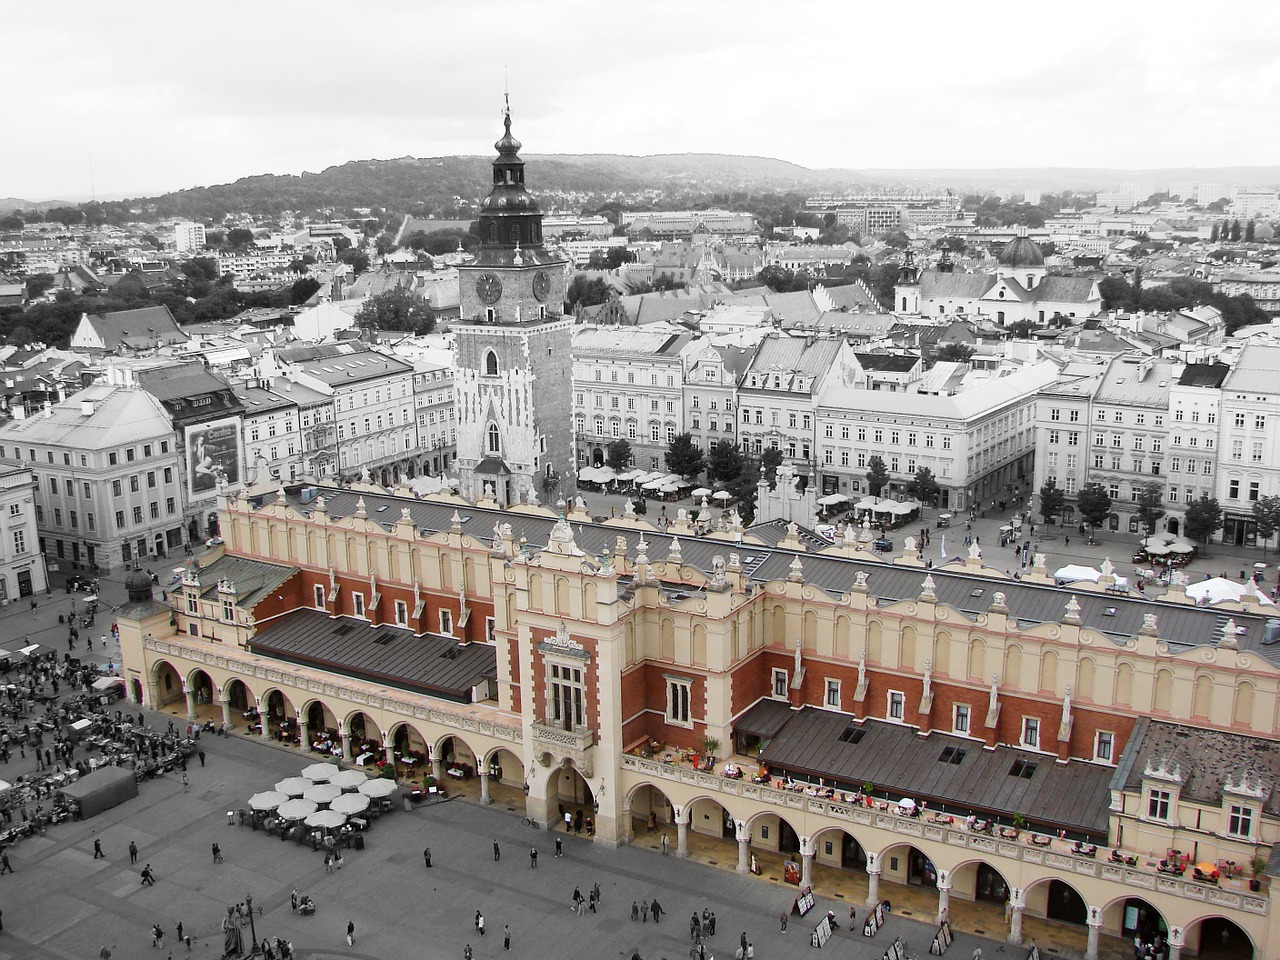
1019 822
710 745
1259 864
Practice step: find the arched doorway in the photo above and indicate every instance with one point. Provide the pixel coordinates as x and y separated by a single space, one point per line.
772 833
1133 916
568 793
839 848
1173 525
652 814
281 720
168 685
1056 899
239 696
201 684
409 753
505 770
990 886
364 744
905 864
597 457
322 729
1218 938
709 818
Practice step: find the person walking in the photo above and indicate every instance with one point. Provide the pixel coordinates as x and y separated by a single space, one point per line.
664 844
157 936
217 854
497 852
635 911
293 900
476 922
533 858
200 754
506 936
595 888
480 923
148 877
656 909
591 898
351 933
133 852
644 911
179 931
783 917
186 784
426 857
559 847
97 850
711 925
466 952
5 865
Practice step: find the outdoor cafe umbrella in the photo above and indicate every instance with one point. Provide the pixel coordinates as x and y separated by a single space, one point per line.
267 800
1181 546
293 786
348 779
722 495
319 772
326 819
831 499
296 809
350 803
322 793
1158 550
381 787
906 803
700 492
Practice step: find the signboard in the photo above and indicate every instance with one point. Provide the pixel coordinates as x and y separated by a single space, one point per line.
791 872
804 902
897 950
941 940
214 457
821 933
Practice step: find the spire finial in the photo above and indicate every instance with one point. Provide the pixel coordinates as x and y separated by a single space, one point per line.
506 99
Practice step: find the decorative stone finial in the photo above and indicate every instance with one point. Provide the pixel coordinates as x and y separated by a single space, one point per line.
1073 610
1229 634
673 554
929 588
860 581
360 510
797 571
717 571
455 522
975 551
1150 625
999 601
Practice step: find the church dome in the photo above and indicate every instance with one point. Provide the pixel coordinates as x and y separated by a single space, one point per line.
1021 252
137 585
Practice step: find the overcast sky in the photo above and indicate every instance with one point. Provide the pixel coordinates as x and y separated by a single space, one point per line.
162 99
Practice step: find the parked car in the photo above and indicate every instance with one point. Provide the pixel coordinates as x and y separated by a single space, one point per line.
944 520
884 544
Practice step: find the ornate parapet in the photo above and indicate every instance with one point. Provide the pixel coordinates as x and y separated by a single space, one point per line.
552 744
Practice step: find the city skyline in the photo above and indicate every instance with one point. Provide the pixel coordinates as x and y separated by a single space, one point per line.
199 103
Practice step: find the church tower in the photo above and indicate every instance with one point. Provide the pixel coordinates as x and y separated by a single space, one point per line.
514 350
906 292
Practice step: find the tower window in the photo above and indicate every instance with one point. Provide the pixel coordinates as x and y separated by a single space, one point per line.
491 364
494 438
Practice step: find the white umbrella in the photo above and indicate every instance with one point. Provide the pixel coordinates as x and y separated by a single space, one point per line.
866 503
1074 571
907 803
700 492
326 819
651 485
382 787
350 803
267 800
668 488
296 809
322 793
319 772
903 508
831 499
348 779
1156 541
1180 546
1158 550
293 786
722 495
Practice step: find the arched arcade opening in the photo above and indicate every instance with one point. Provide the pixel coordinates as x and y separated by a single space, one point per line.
1217 938
364 740
280 721
569 795
168 686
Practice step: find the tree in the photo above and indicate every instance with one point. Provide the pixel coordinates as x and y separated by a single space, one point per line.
38 284
1213 233
201 268
618 455
617 256
303 290
684 457
725 462
1051 501
897 239
924 487
1266 513
770 461
1249 232
586 293
239 238
359 262
397 310
1203 518
1021 329
1150 505
877 475
1235 231
954 353
1094 505
384 244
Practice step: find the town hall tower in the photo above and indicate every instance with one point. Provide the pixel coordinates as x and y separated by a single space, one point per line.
514 349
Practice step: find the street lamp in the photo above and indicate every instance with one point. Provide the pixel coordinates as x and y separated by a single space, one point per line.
253 930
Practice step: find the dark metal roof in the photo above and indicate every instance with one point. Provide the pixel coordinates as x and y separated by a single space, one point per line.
253 579
1119 616
897 760
388 655
764 719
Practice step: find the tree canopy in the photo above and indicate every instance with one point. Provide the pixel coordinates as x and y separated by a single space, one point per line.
1203 518
725 462
877 475
1150 505
397 309
1051 501
586 292
924 486
1094 504
1266 514
684 457
618 455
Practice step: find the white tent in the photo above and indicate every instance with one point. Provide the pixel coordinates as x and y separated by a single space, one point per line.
903 508
326 819
1221 590
831 499
866 503
1073 572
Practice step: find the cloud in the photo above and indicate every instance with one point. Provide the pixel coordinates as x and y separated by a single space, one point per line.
164 96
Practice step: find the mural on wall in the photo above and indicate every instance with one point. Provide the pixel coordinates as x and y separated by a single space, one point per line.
214 457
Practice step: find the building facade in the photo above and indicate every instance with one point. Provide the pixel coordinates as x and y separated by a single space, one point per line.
581 668
1250 440
22 563
437 415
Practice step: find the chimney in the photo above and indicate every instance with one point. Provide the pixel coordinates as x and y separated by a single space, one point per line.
19 412
86 408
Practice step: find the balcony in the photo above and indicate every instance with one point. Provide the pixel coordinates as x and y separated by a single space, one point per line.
1018 845
575 745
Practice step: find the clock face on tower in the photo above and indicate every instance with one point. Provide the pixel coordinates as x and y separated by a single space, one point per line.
489 287
541 285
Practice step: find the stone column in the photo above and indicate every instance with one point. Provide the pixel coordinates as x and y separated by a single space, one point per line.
944 895
873 879
1177 940
807 849
191 703
304 735
628 831
743 836
682 832
484 788
1094 920
1017 901
226 713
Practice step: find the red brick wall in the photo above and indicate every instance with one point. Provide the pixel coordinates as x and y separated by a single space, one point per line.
591 682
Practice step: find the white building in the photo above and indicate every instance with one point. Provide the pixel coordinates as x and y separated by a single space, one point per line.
1250 440
712 367
974 430
272 433
22 568
628 384
188 237
436 408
